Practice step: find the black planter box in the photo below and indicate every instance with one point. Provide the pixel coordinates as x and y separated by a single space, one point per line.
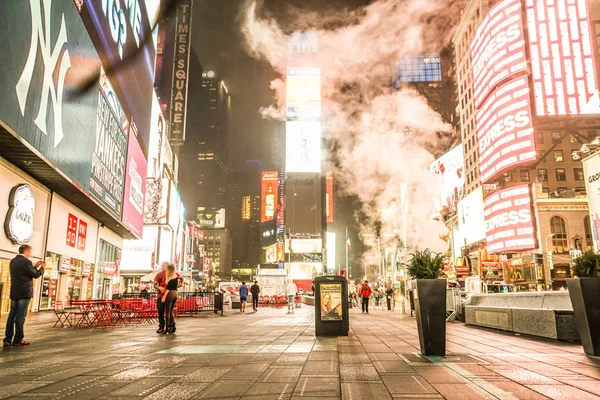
585 298
430 307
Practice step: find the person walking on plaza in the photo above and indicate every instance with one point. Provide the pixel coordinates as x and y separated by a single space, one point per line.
243 297
365 293
255 290
290 290
22 273
169 298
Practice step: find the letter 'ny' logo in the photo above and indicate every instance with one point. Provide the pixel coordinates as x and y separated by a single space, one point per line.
41 12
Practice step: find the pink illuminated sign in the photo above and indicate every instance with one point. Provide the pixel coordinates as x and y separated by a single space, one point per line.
504 129
498 50
508 220
562 59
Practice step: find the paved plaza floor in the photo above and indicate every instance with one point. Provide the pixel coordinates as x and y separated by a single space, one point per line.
273 355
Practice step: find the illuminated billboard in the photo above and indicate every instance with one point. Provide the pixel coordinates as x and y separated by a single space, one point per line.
450 167
157 138
268 195
504 129
498 49
246 208
135 186
509 223
425 68
471 221
591 169
303 92
329 196
303 146
304 211
562 57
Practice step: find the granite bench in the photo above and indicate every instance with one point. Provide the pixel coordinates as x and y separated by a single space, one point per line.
545 314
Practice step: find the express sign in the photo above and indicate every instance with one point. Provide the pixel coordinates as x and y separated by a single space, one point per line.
508 220
562 57
504 129
498 50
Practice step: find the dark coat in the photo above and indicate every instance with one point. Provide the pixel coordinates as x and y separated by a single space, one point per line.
22 273
255 290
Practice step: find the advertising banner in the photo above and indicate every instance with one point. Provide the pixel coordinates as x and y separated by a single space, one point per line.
425 68
303 92
268 233
302 146
329 196
246 208
331 302
211 218
591 170
504 130
268 195
471 221
509 224
179 94
119 30
176 209
498 49
304 211
138 255
157 141
303 245
135 186
79 135
561 49
451 168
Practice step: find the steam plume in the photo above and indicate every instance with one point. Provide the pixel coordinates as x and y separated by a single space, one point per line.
378 138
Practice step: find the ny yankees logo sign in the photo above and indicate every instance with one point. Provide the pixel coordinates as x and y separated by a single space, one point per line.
51 54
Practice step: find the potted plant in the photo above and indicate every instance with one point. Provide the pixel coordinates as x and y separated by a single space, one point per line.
584 292
429 292
389 294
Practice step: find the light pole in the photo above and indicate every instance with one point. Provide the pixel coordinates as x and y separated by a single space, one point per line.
404 210
549 253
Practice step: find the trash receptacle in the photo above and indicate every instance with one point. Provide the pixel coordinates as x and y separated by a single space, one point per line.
331 306
219 302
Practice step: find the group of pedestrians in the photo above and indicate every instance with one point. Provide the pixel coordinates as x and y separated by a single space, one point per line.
290 291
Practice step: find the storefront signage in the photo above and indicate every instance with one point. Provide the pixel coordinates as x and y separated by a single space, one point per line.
505 130
65 265
498 49
76 232
18 224
181 69
121 32
331 302
561 48
110 269
509 224
87 269
81 235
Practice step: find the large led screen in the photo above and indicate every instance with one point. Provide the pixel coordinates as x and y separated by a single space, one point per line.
498 50
470 218
451 168
303 88
504 129
508 220
562 57
303 146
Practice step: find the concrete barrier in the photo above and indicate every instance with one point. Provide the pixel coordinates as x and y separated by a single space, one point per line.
545 314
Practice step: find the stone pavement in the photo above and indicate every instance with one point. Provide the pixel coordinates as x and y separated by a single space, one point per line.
272 355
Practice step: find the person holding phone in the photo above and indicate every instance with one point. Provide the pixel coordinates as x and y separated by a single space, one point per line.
22 274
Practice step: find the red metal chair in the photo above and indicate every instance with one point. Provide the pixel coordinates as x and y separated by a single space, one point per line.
62 315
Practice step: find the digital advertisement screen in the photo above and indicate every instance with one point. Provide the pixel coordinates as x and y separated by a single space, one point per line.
303 146
450 167
269 195
504 129
498 49
562 57
471 221
304 210
425 68
303 92
509 224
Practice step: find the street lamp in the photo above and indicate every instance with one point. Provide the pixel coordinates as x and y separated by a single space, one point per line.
549 253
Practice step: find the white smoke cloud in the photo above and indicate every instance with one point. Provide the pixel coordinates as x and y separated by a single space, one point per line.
378 137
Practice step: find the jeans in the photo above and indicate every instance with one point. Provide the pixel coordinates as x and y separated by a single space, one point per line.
255 301
161 314
365 304
169 307
291 304
16 320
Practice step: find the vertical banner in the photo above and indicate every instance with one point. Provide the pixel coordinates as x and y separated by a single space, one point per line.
268 195
591 170
180 71
329 195
135 186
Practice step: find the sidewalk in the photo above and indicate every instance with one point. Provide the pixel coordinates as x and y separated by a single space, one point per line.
273 355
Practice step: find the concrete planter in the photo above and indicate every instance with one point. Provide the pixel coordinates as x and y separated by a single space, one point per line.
585 297
430 307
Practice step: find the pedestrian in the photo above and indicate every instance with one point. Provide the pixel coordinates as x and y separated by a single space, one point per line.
365 293
160 285
353 299
169 298
22 273
243 297
255 290
290 290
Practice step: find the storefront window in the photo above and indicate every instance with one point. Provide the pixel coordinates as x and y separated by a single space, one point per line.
559 240
589 243
106 277
5 280
65 279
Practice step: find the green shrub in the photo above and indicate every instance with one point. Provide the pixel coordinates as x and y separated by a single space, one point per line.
425 265
587 265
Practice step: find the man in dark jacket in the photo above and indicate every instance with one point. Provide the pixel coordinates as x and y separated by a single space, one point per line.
255 290
22 273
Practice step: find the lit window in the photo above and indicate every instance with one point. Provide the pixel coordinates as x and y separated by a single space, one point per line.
561 176
578 174
558 156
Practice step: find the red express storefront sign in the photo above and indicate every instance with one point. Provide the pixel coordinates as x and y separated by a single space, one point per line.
562 57
508 220
504 129
498 49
